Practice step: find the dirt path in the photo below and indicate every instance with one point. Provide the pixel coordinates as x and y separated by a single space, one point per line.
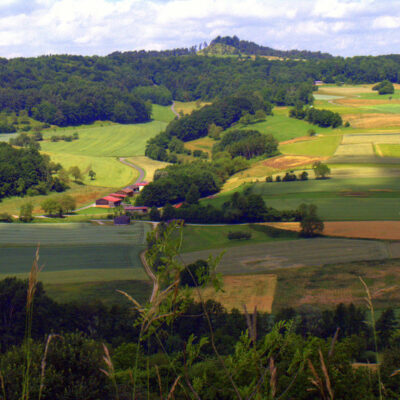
141 171
174 111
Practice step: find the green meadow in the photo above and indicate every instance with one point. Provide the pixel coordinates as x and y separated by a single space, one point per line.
318 147
284 128
196 238
73 255
337 199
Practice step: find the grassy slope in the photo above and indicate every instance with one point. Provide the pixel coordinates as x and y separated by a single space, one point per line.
148 165
284 128
109 171
98 147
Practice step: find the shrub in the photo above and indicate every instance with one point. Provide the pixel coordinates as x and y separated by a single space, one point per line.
195 274
269 179
304 176
239 235
278 178
6 217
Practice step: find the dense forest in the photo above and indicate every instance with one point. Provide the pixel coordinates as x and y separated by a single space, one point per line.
26 171
68 90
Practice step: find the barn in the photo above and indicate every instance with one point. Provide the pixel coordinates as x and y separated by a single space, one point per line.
138 210
108 202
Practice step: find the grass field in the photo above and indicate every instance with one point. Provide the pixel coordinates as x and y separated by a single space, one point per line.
109 171
197 238
389 150
284 128
320 146
107 141
249 290
74 254
337 198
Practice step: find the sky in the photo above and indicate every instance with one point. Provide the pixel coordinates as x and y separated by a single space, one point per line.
88 27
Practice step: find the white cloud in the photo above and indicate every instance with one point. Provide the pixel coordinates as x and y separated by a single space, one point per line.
102 26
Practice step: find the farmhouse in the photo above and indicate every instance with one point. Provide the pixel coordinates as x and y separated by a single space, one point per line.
119 195
137 187
108 202
128 191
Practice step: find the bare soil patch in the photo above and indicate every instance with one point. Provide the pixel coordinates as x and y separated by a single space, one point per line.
287 162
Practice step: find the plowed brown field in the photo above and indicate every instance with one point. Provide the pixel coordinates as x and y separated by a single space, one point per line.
287 162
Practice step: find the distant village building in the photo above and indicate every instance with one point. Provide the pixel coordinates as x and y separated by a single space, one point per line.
137 187
127 191
136 209
318 83
119 195
108 202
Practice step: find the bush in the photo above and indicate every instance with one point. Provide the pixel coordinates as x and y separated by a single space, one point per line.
195 274
278 178
311 132
5 217
239 235
304 176
269 179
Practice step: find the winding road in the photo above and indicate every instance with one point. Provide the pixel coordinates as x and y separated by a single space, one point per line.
174 111
141 171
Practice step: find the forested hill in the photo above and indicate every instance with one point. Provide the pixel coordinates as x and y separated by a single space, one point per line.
72 90
251 48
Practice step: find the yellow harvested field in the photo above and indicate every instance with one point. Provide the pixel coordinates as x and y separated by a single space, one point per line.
373 120
251 290
258 171
371 138
385 230
361 149
365 102
283 163
344 90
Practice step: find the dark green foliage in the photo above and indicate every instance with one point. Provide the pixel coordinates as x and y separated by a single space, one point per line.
154 214
269 179
193 195
195 274
311 224
7 128
5 217
247 143
321 170
385 87
289 177
246 47
239 235
156 94
24 140
175 181
323 118
24 170
304 176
